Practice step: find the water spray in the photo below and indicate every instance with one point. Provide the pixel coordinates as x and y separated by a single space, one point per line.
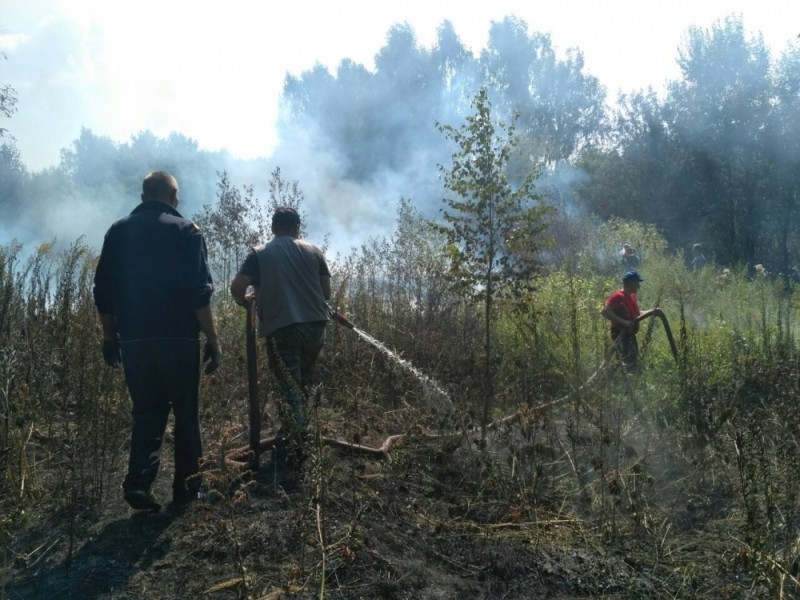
247 457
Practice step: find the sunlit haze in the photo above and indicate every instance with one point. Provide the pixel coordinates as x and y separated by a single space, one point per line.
214 71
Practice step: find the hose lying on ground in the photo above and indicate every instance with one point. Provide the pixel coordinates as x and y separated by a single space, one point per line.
247 457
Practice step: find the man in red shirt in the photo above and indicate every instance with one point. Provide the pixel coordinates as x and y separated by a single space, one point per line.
622 309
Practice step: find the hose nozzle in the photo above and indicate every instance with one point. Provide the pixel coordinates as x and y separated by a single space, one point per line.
340 318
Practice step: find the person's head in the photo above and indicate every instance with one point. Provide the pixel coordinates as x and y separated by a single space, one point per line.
285 221
628 249
160 186
697 249
631 280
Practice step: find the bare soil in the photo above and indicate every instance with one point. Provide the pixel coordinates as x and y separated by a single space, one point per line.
437 519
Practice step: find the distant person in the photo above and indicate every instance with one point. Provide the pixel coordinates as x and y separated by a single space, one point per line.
622 309
628 257
698 260
794 274
292 285
152 289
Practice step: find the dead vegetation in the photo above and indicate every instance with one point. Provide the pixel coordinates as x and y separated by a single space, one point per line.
679 482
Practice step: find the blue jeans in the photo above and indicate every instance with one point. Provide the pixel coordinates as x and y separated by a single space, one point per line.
163 375
293 352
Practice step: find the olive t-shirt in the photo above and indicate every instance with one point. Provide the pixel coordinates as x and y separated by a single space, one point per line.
286 275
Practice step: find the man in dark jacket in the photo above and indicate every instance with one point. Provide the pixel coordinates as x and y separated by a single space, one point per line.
152 291
292 283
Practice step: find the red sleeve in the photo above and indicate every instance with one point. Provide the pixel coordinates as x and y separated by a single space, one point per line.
615 300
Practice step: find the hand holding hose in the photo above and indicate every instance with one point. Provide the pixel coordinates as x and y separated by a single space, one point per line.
339 317
653 312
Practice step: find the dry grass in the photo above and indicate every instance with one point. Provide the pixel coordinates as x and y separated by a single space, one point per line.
676 483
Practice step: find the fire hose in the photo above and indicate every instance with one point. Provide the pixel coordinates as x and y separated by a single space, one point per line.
247 457
668 330
671 339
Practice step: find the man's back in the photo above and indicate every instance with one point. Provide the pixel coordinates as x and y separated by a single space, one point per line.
152 274
152 290
289 289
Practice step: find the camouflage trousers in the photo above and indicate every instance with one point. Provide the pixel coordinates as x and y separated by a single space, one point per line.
293 352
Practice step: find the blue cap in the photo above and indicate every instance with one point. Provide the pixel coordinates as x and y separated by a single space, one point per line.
632 275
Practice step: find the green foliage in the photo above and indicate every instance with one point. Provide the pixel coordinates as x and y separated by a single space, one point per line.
717 157
383 119
8 101
716 160
493 227
98 168
232 227
14 180
560 108
397 290
599 251
284 193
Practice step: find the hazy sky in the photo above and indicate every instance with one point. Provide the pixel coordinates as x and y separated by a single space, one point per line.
214 70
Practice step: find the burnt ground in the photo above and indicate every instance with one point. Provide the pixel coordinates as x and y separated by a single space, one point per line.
438 519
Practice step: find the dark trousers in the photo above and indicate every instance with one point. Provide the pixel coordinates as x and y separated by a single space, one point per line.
163 375
627 348
293 352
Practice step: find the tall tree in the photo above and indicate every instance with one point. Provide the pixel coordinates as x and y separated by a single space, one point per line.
560 107
718 114
493 227
458 71
374 121
8 101
103 168
285 193
783 200
629 175
13 184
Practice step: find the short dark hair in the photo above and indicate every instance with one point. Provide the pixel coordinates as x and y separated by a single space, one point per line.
285 217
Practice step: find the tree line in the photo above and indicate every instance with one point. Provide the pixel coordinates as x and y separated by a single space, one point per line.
713 160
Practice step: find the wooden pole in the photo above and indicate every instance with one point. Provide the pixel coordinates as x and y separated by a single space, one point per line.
252 384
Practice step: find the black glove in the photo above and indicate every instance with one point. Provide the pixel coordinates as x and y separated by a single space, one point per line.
212 354
111 353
